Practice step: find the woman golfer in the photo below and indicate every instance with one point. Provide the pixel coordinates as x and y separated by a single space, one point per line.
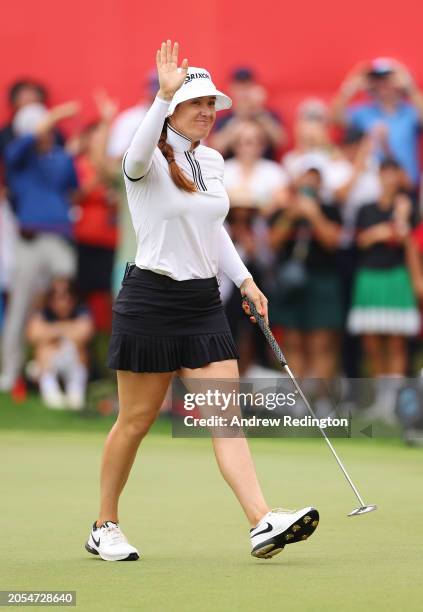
168 316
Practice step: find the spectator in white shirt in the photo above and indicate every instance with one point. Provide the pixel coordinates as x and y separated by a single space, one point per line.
313 146
250 179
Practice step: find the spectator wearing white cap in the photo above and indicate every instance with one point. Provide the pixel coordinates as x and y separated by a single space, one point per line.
42 178
394 101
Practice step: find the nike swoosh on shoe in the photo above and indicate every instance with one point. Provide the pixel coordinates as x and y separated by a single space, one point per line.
268 528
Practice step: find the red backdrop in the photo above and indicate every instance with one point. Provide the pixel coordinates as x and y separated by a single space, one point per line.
298 48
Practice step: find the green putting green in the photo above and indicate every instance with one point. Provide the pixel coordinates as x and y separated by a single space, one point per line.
190 531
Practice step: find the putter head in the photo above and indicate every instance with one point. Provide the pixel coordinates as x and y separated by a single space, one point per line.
362 510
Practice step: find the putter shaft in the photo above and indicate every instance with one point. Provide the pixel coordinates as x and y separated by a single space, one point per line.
282 360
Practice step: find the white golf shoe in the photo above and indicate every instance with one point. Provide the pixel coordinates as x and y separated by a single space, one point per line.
279 527
109 543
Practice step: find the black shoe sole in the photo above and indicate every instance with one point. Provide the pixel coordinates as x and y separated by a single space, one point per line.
297 532
93 551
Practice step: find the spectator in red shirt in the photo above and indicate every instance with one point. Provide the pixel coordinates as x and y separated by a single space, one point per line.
96 230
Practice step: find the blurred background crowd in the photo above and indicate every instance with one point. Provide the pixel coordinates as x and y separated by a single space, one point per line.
325 213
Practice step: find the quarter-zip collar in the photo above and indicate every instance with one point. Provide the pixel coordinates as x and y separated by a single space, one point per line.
178 141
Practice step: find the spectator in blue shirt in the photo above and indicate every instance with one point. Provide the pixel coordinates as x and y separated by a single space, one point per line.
42 177
40 173
394 102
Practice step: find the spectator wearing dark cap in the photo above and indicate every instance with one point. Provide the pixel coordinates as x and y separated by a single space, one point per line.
394 102
248 103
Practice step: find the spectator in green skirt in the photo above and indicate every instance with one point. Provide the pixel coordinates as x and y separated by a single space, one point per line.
384 310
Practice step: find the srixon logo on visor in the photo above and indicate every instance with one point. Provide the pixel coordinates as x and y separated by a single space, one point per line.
196 75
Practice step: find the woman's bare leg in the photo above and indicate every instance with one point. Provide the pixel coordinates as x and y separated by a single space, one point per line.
233 454
323 352
294 343
396 355
373 346
140 398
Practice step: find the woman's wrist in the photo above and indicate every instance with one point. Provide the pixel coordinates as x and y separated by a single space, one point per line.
166 96
246 282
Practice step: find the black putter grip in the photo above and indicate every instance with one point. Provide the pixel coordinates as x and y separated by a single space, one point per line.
266 331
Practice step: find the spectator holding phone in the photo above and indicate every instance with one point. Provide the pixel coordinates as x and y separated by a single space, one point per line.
307 297
248 103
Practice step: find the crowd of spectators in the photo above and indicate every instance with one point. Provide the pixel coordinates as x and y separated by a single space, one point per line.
325 215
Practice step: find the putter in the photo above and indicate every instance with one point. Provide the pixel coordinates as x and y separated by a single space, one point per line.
363 508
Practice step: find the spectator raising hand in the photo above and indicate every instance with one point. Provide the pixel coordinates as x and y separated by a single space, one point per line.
394 101
96 227
43 179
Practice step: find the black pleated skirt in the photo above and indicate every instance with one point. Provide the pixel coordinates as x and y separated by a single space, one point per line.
161 325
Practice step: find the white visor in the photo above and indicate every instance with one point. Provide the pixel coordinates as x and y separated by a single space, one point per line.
197 84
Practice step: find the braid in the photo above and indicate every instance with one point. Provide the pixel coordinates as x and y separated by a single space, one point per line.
176 173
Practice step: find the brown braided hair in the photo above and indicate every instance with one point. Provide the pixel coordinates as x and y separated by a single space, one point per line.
176 173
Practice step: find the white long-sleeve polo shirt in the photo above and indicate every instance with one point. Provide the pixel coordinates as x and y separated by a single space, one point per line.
179 234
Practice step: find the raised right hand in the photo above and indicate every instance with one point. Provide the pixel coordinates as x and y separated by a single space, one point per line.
170 76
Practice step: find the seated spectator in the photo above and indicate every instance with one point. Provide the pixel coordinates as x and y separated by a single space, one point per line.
95 229
312 144
306 299
394 102
60 333
248 102
384 309
42 177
